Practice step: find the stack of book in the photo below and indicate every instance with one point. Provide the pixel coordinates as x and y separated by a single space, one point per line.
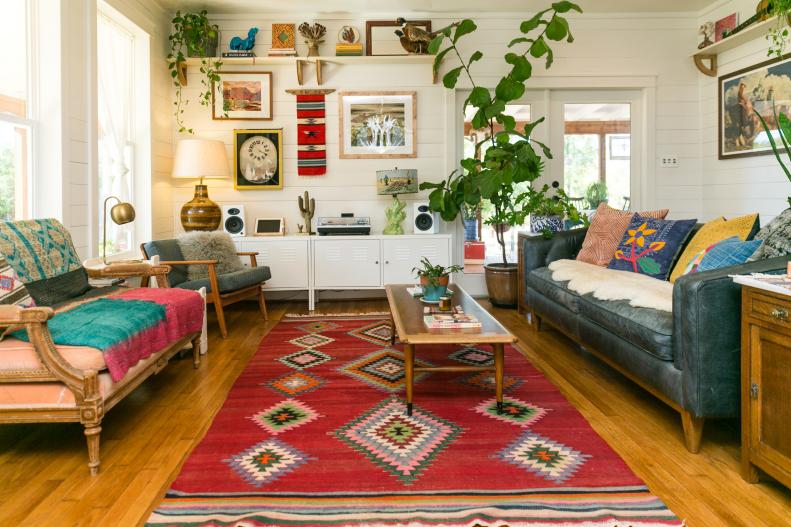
282 52
348 50
237 53
455 319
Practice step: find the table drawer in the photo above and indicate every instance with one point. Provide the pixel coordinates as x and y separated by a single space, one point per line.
771 309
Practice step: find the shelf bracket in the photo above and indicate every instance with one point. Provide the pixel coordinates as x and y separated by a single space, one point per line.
181 72
318 72
300 63
711 70
308 91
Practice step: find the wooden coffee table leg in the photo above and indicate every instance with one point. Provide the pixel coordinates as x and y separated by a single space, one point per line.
409 365
392 332
499 358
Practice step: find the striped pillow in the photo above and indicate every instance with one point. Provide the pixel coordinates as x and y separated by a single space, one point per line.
12 290
606 231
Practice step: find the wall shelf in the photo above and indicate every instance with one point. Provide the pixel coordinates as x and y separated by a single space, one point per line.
709 53
300 62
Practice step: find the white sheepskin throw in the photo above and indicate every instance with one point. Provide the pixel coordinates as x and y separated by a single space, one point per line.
610 284
209 245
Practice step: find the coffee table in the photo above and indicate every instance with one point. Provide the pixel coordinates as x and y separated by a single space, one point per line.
407 322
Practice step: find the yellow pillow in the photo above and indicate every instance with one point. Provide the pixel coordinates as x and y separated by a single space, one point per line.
711 233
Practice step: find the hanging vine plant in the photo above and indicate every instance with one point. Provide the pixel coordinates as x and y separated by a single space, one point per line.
193 36
778 34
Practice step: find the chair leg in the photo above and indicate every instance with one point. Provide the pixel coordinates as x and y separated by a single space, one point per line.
262 304
92 435
693 430
221 318
196 351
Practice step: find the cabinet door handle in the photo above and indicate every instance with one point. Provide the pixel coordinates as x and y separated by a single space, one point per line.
387 262
377 262
779 314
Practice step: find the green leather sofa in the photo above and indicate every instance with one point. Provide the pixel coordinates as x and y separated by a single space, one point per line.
689 358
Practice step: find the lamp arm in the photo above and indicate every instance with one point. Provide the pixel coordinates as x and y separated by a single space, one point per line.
104 227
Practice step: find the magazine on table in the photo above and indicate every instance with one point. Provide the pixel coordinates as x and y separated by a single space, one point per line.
451 321
777 283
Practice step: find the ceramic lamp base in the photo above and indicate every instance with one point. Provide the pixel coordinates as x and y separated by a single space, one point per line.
201 213
395 217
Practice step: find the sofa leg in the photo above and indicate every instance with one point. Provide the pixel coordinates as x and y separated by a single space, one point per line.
535 321
196 352
693 430
92 435
262 304
221 318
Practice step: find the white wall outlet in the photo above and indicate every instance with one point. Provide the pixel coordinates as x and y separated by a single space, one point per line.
669 161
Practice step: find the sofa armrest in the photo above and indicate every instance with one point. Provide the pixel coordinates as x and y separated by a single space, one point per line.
536 251
707 336
142 270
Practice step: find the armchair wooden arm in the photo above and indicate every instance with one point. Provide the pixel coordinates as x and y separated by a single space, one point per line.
252 255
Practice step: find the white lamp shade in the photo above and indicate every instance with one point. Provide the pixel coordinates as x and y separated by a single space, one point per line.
200 158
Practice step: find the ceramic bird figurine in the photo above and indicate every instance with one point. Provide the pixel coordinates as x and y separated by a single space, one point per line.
413 37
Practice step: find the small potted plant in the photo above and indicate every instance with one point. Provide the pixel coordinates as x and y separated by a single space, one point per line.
549 208
434 279
596 194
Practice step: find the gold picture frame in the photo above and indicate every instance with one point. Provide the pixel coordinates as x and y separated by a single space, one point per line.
258 159
358 140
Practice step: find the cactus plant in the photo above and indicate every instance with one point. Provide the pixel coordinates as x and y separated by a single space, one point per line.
307 207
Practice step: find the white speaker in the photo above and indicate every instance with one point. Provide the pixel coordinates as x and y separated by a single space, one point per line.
425 221
233 220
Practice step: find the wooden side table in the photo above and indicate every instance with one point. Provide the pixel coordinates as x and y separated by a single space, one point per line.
766 384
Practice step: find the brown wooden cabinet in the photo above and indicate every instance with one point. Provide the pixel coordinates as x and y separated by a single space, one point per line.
766 385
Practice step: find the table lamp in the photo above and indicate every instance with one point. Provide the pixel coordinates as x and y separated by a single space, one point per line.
200 158
121 214
392 183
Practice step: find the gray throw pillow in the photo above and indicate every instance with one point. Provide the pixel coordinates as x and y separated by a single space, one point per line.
209 245
776 238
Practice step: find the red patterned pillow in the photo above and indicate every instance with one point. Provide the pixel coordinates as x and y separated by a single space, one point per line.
12 290
606 231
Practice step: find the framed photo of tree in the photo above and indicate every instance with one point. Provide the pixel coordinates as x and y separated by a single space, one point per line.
377 125
258 159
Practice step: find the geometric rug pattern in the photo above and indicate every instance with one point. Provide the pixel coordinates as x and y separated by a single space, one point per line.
314 431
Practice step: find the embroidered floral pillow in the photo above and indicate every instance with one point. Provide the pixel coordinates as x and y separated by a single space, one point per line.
651 246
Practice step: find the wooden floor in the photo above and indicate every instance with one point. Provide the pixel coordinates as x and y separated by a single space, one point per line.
44 479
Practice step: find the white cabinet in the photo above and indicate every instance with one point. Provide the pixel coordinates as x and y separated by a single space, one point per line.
288 259
346 263
400 255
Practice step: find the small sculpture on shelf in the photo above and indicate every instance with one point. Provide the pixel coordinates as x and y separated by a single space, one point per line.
314 35
244 44
307 207
706 31
414 38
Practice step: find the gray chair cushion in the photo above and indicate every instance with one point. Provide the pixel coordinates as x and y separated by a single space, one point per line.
169 251
232 281
648 329
541 280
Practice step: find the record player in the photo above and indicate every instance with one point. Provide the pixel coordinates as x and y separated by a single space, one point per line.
344 225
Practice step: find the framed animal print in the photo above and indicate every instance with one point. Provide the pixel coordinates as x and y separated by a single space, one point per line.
258 159
741 95
243 95
377 125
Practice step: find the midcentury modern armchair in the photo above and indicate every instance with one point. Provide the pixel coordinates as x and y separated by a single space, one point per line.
222 289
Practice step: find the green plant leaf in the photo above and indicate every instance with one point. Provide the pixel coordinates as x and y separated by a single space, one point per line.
479 97
529 25
519 40
465 26
475 57
494 109
508 122
452 77
565 7
509 89
539 48
649 265
479 120
557 29
522 69
435 44
439 57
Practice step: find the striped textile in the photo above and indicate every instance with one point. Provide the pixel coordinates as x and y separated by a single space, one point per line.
311 136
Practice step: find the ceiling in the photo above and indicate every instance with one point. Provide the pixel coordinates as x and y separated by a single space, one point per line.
426 6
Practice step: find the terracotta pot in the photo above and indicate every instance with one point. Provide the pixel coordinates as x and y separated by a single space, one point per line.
432 293
501 281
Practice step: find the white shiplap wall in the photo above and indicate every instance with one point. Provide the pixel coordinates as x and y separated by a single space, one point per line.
624 50
744 185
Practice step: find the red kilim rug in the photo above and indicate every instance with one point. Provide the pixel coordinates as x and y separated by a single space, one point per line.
315 432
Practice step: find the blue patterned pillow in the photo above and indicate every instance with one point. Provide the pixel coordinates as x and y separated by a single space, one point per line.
730 251
651 246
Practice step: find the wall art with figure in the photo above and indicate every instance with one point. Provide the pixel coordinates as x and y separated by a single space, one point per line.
744 92
377 124
258 158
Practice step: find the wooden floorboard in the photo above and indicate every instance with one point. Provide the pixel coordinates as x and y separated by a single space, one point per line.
44 479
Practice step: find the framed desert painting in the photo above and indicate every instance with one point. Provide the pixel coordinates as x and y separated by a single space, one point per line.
258 159
377 125
243 95
741 95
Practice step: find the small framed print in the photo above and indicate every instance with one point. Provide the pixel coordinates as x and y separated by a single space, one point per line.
269 227
258 159
244 95
377 125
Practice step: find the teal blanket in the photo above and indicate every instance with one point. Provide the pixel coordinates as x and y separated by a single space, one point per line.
101 324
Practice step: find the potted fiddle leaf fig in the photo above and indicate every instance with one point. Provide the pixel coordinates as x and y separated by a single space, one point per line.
511 158
194 36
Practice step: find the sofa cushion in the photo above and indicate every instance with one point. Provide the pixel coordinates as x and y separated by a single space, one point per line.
16 355
727 253
649 329
605 233
541 280
168 251
12 290
650 246
776 238
232 281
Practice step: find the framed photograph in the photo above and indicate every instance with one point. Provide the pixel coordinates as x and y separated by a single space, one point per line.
727 23
269 227
377 125
380 37
246 95
258 158
744 92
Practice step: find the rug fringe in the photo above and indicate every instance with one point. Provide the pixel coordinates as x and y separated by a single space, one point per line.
336 315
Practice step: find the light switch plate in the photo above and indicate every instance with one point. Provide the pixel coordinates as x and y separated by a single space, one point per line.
669 161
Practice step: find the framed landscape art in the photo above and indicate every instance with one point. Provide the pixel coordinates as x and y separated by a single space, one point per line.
744 92
245 95
377 125
258 159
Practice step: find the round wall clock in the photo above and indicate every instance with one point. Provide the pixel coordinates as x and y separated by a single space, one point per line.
258 159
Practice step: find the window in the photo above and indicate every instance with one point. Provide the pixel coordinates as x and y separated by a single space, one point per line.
118 73
16 124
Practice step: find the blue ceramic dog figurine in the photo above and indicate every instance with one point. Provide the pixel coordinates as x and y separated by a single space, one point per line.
244 44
